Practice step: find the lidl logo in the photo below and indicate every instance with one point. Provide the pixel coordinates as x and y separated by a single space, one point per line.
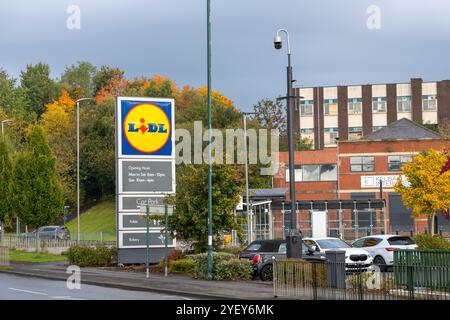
146 128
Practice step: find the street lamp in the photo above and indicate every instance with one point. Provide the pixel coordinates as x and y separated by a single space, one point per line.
3 132
3 122
249 208
210 207
78 166
293 239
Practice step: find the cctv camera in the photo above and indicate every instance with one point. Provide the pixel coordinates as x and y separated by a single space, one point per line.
277 42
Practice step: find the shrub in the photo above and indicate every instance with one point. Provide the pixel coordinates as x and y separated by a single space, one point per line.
233 269
183 266
100 256
225 266
427 241
171 257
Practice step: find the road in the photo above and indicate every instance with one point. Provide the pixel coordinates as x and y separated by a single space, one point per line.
27 288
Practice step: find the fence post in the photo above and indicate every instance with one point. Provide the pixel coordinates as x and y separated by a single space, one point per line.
314 283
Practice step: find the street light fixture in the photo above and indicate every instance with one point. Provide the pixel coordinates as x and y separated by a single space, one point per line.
293 239
3 122
247 201
17 219
78 166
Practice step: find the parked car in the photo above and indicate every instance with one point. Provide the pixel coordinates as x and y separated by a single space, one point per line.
354 257
51 232
262 252
382 247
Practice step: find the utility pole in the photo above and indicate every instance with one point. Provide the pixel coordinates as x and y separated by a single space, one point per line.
210 213
294 238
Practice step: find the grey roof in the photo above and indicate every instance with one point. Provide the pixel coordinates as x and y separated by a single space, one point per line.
403 129
267 193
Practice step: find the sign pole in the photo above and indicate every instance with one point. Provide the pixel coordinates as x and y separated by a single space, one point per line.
166 260
147 258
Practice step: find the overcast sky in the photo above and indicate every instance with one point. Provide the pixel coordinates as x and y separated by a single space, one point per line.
330 40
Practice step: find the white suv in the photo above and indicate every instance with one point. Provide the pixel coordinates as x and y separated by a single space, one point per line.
382 247
329 243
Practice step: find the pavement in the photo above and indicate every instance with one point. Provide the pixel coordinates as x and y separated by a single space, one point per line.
13 287
176 285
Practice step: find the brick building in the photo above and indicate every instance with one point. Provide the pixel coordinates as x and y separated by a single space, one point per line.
351 112
362 165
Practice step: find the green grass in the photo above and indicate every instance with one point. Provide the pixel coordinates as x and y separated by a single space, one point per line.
100 218
22 256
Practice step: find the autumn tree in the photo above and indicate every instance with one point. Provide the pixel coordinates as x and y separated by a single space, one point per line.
428 183
59 124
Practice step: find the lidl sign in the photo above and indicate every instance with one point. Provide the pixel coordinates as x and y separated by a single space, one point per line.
145 172
146 127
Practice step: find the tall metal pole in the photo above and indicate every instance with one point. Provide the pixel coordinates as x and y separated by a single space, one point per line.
247 201
78 166
147 242
210 213
293 239
166 256
291 145
78 171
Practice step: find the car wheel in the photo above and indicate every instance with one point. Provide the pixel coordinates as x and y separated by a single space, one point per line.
267 273
379 261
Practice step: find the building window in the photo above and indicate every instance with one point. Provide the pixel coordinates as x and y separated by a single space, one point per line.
429 103
355 133
354 106
395 163
314 173
362 164
328 172
376 128
330 135
306 107
297 172
330 107
307 133
379 104
404 104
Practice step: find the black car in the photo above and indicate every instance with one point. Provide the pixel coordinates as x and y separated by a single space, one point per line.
262 252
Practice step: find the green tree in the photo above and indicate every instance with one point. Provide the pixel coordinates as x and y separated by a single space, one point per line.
38 198
190 219
78 80
97 164
428 184
270 115
5 181
11 98
38 88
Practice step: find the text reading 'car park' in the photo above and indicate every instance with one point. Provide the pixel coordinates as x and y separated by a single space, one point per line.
145 171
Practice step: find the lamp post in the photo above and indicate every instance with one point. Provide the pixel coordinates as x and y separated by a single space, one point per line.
247 201
17 218
78 166
293 239
210 213
3 122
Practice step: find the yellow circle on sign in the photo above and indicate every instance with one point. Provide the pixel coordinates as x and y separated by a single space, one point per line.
146 128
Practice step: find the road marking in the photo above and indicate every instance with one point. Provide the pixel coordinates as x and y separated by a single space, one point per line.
67 298
29 291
